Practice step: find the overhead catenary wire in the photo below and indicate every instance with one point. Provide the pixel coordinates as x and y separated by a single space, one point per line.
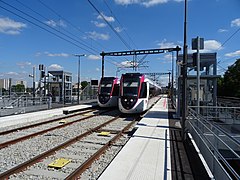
76 41
120 23
228 39
43 28
84 44
48 28
69 22
74 26
111 27
115 17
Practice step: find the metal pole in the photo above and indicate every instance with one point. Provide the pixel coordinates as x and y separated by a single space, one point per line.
34 79
184 75
102 64
172 77
44 81
178 67
78 79
79 55
198 75
169 79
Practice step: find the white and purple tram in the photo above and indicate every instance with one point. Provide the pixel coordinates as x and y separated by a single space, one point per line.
108 92
135 91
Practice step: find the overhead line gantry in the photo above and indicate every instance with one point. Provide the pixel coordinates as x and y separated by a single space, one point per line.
137 52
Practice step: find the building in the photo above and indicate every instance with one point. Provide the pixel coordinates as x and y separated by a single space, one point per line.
22 83
60 86
5 83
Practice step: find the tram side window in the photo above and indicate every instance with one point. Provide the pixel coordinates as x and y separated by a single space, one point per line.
143 92
115 90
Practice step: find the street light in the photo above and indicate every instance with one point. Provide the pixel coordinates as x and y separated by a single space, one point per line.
79 55
33 76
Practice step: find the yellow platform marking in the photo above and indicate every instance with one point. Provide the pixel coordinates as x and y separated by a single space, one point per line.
104 133
88 114
59 163
63 121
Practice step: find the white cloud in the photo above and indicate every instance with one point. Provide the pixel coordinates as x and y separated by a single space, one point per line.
153 2
24 64
127 64
211 45
235 22
9 26
168 57
126 2
12 73
54 24
58 55
94 35
97 69
233 54
222 30
165 44
52 54
146 3
94 57
100 25
55 67
107 18
118 29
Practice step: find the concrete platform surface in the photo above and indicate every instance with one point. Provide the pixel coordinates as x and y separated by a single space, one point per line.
147 154
35 116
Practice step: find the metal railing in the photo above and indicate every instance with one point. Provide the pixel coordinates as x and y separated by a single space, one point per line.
89 92
226 115
216 145
22 104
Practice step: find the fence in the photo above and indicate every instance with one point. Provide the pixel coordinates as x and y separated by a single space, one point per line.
218 147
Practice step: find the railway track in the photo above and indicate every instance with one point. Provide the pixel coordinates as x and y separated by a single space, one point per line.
229 101
29 156
16 135
12 155
81 150
31 125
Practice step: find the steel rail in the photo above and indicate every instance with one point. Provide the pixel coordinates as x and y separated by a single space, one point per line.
96 155
21 167
11 142
45 122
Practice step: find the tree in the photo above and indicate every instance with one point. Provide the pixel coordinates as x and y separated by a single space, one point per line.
18 88
229 85
84 84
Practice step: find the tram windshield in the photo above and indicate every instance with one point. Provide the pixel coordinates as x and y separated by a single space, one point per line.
106 87
130 86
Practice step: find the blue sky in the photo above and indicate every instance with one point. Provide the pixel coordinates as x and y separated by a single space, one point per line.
34 32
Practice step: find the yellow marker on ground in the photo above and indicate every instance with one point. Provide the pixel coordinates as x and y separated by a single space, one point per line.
104 133
63 121
88 114
59 163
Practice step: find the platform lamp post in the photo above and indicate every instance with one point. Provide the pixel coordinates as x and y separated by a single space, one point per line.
184 75
79 56
172 86
33 76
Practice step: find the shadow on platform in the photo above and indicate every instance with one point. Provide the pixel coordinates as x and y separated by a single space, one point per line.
185 161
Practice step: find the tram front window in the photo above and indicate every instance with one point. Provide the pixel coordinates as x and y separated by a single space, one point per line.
106 88
130 87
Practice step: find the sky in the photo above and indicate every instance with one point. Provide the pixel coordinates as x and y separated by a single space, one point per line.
50 32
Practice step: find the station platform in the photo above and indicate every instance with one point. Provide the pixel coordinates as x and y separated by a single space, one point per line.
154 152
39 115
